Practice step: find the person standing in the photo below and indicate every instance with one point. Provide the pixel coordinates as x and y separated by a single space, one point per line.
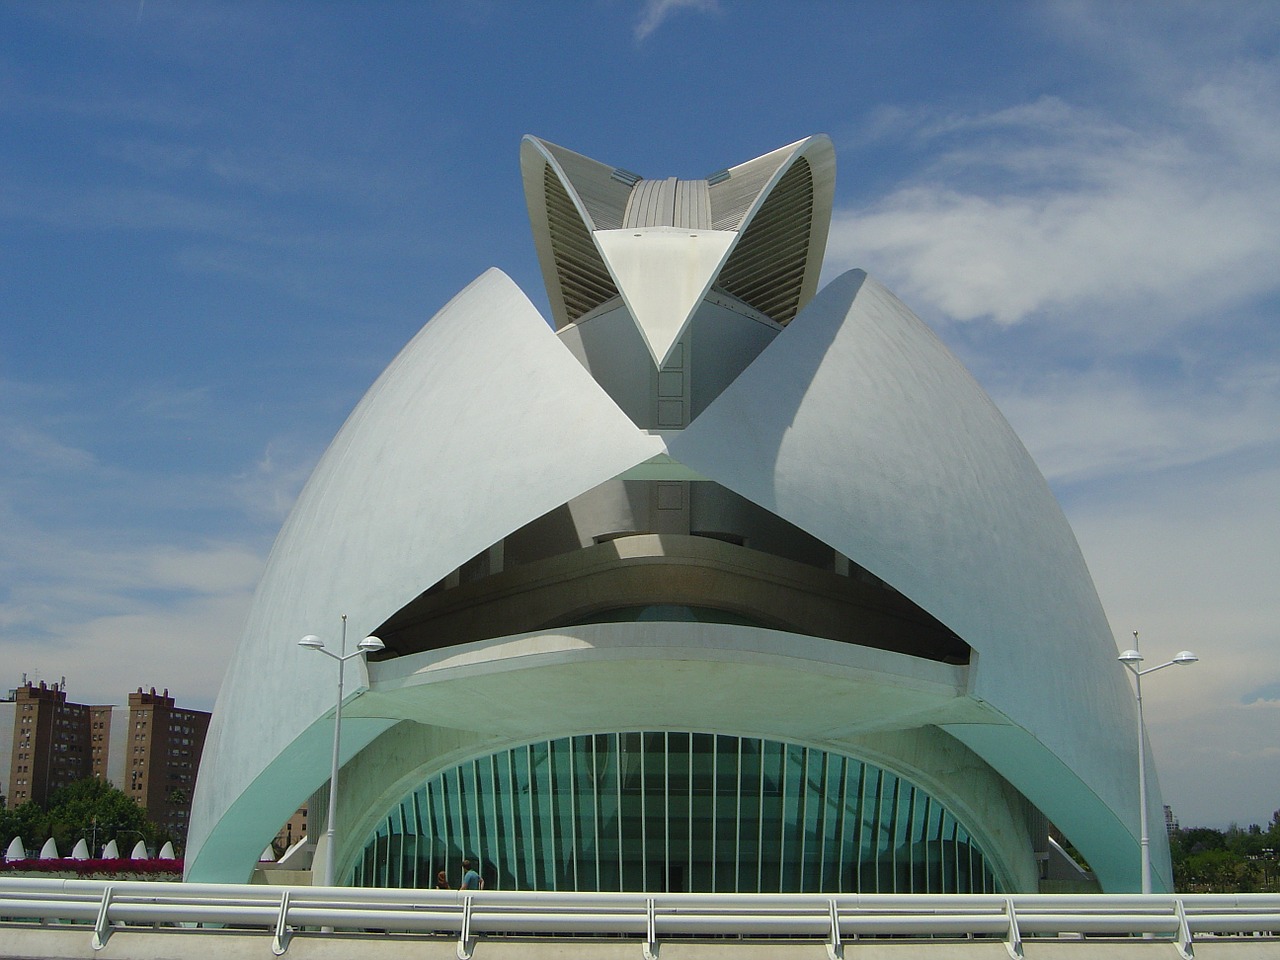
470 879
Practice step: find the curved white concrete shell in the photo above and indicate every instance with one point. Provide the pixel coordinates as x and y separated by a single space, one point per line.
925 484
446 454
540 524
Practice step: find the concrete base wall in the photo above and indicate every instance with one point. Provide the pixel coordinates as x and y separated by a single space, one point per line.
73 943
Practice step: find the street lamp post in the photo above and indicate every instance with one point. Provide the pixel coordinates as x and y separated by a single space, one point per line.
366 646
1132 659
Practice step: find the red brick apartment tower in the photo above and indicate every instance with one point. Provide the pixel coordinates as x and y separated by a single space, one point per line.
165 744
50 742
100 741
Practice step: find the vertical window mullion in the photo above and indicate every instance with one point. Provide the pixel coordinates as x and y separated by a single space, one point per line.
616 740
432 866
760 828
554 859
737 829
595 806
508 801
460 824
876 829
715 809
824 807
802 818
495 836
397 824
644 816
575 845
666 810
446 819
688 877
534 834
782 833
480 847
842 830
911 839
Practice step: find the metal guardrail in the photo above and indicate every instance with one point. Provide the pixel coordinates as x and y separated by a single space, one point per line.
111 907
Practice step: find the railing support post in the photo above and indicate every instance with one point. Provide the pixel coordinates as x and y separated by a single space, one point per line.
1185 946
650 931
1014 941
466 946
102 926
280 942
835 948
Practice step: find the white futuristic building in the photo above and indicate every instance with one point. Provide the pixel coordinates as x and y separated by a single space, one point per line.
716 582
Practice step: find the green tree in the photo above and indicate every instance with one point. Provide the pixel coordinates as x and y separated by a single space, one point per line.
1216 871
28 821
94 809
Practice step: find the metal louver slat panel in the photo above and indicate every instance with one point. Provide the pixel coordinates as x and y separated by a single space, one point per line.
584 280
767 268
730 199
603 195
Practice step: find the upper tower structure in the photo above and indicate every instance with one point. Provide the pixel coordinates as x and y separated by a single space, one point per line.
755 233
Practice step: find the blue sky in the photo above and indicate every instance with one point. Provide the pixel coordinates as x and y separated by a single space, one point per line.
219 222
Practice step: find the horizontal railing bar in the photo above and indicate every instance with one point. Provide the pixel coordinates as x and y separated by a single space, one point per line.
628 914
1096 923
48 910
1234 921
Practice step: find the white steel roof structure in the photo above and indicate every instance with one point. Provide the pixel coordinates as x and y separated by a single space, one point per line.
887 573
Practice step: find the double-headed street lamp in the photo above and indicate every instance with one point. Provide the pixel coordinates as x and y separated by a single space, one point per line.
366 646
1133 659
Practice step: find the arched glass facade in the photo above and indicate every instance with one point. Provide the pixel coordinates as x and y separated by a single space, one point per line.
675 812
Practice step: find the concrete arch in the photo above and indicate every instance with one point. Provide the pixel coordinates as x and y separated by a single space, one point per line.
448 706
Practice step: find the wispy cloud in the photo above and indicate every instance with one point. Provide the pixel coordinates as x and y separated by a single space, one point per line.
104 607
656 12
183 646
1108 422
269 489
1189 559
1119 228
38 451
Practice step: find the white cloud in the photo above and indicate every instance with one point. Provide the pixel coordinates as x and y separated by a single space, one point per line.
1188 558
270 488
656 12
37 451
1048 208
1109 422
184 647
102 615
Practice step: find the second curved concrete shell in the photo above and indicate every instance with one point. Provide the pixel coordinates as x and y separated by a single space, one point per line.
713 500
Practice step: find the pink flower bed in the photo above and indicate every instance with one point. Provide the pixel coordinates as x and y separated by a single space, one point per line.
153 869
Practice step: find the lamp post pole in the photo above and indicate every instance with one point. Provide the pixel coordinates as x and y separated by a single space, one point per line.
366 646
1133 659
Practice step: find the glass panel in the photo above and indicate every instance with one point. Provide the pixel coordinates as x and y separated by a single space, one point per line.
675 811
